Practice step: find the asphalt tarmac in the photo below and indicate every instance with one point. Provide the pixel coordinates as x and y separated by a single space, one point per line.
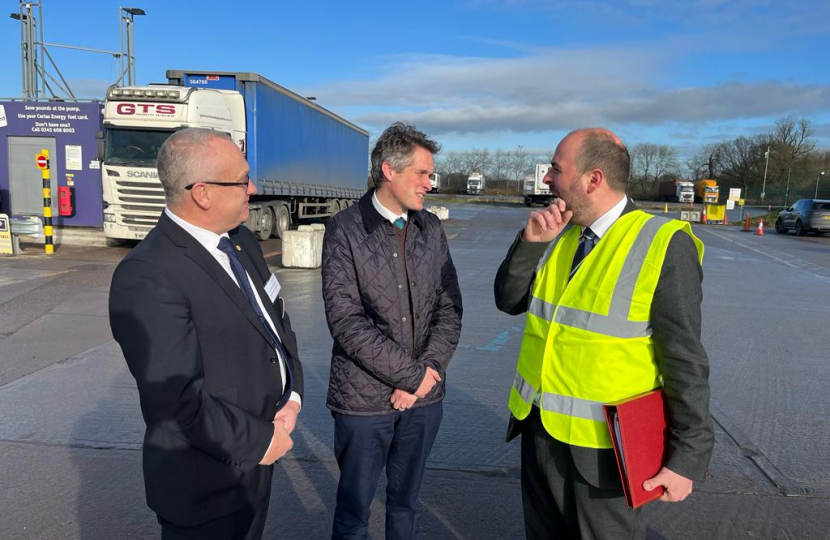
71 429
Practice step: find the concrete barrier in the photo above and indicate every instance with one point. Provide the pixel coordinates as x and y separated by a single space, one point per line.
690 215
441 211
303 248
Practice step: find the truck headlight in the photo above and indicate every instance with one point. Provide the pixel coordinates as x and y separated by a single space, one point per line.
109 218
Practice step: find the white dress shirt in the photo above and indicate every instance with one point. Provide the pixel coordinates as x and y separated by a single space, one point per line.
604 222
210 241
385 212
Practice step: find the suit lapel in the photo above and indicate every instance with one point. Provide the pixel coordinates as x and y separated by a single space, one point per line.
196 252
248 263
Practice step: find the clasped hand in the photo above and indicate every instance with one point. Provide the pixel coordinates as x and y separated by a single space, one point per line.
402 400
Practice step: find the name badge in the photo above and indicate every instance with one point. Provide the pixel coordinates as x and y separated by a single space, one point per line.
272 288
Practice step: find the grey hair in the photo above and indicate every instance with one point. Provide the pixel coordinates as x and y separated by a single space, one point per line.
395 147
181 160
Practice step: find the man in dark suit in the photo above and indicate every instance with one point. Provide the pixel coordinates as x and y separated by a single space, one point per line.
204 331
567 268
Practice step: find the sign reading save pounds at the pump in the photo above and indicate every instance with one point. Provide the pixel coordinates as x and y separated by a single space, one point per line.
68 130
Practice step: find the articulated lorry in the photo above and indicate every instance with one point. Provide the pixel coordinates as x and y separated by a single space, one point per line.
536 190
475 183
305 161
707 192
435 182
677 191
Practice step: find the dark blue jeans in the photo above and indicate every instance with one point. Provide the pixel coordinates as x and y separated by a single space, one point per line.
363 445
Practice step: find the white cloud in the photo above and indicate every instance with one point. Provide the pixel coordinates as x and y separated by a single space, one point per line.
557 89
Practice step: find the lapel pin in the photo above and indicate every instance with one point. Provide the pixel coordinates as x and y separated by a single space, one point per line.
238 248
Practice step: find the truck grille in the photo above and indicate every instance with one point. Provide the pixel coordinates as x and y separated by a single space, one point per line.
142 202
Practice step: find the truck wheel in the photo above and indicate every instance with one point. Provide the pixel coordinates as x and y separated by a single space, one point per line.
282 222
266 224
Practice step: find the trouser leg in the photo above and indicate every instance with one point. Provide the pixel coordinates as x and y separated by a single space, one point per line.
415 434
247 523
361 444
559 503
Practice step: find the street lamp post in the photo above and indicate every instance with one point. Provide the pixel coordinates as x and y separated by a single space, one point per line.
764 187
127 26
817 179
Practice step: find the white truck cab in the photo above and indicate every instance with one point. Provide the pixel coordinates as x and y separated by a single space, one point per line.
137 121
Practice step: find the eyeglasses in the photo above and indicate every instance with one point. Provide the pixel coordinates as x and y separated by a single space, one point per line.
240 184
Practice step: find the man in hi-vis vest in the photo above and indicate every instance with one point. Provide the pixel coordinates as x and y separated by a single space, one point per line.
612 300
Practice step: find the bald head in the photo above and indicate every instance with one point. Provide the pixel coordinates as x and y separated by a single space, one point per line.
601 149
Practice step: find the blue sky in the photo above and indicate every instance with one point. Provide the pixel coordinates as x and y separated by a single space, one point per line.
483 73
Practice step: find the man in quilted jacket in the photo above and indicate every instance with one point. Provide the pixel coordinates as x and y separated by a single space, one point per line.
393 307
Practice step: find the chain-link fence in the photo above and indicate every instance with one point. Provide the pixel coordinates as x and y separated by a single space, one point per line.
780 196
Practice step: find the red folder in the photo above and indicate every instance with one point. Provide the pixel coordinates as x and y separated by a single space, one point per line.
638 427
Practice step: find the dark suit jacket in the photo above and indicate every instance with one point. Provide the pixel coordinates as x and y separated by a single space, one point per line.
675 318
207 376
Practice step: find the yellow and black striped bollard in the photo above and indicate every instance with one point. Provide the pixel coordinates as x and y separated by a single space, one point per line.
42 161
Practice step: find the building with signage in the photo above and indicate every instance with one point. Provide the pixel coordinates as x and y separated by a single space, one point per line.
68 131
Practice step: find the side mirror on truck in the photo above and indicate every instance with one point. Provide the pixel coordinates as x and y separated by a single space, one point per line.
101 144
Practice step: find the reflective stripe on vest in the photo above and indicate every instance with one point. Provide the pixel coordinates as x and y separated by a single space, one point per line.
616 323
571 348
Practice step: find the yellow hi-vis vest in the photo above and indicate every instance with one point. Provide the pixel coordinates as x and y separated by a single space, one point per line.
587 340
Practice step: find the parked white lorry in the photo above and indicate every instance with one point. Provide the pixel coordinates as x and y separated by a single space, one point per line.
435 181
475 183
677 191
535 190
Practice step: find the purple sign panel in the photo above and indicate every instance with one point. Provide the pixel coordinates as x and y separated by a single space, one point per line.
68 130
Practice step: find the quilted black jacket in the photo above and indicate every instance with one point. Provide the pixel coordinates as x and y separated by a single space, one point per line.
364 289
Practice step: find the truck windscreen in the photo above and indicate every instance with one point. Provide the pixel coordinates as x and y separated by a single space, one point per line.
134 146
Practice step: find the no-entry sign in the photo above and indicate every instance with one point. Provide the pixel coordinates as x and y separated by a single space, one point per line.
41 161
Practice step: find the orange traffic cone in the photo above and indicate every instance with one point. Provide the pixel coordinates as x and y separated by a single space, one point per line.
747 227
760 230
703 215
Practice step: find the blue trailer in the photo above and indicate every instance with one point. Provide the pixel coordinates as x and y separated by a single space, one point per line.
306 161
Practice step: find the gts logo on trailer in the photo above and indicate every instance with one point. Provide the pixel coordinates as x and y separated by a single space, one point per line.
142 174
145 108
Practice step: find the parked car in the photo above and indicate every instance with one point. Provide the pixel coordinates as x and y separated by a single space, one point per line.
805 215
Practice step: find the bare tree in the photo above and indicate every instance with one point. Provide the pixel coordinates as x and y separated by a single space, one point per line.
499 165
707 162
520 162
649 163
477 160
789 143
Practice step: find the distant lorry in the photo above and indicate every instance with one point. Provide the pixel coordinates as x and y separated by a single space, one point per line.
475 183
707 192
435 182
677 191
305 161
536 190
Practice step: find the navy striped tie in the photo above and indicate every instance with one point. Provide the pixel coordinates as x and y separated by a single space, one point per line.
588 241
227 247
